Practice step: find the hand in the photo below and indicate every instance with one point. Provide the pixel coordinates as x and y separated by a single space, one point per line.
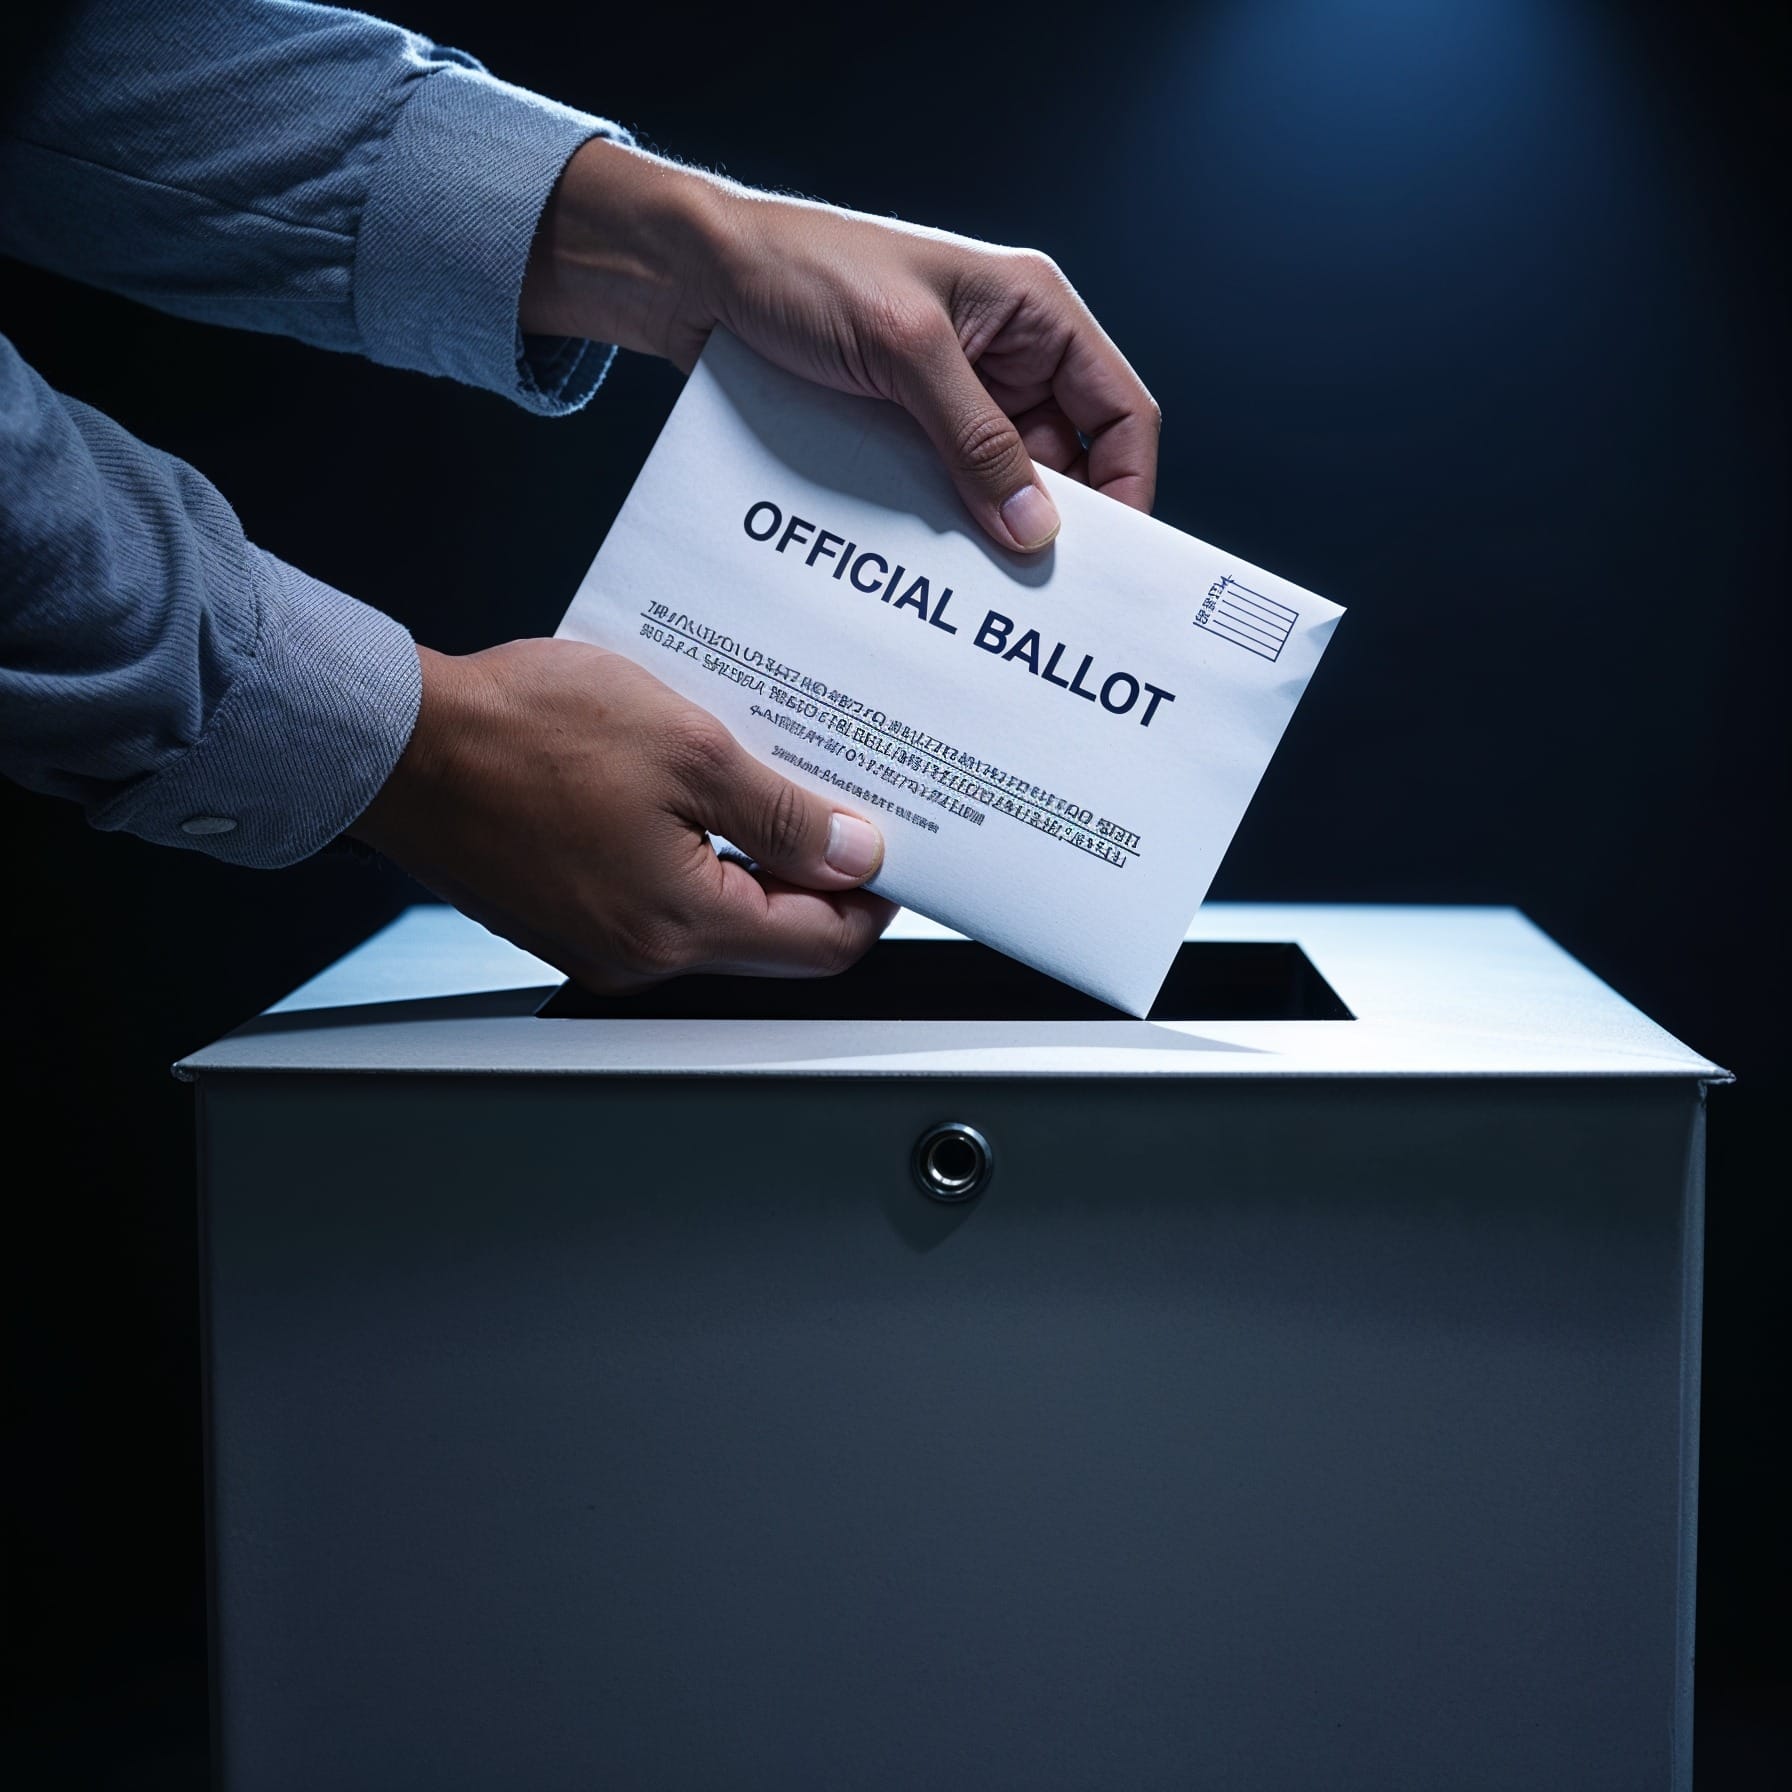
561 795
989 349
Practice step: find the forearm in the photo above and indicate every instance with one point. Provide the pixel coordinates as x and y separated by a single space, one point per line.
299 169
628 249
162 671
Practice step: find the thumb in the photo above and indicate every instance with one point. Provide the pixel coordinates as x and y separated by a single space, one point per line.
981 447
794 833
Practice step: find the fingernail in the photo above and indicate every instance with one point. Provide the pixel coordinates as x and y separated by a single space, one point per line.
1030 517
854 846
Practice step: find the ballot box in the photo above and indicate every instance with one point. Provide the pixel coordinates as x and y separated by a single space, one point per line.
930 1379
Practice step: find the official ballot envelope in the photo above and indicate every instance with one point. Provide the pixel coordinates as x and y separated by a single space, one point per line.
1058 748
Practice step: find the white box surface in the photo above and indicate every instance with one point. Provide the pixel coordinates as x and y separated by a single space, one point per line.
600 1401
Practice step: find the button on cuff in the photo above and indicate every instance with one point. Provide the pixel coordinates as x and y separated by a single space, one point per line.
314 719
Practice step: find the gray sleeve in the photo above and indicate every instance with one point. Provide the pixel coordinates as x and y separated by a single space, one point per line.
162 671
300 169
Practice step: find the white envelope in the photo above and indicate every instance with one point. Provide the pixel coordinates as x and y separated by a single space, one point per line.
1057 748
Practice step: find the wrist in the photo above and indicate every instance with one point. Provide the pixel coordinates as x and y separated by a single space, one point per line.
449 715
631 249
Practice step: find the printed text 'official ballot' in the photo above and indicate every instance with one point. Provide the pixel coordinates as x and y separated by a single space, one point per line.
872 574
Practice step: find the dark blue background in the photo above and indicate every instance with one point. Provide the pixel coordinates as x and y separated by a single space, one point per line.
1469 315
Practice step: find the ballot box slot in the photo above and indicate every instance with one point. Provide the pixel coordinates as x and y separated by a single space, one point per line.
935 980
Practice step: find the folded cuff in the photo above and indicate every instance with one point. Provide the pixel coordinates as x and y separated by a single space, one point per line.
309 730
445 235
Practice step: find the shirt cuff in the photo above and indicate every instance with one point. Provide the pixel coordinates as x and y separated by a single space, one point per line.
301 742
445 235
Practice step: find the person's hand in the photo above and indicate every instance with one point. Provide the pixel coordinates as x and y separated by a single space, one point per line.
561 795
990 349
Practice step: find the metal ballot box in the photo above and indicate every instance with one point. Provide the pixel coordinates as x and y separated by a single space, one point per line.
927 1379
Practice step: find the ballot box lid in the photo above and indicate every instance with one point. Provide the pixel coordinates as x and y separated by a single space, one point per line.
1410 992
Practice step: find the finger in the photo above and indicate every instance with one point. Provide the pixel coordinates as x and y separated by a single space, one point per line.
1051 438
796 834
762 927
1098 391
979 444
